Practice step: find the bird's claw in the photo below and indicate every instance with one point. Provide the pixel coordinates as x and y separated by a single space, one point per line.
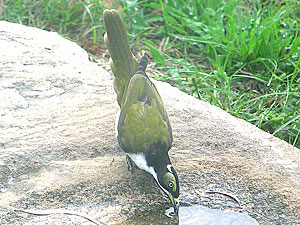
130 164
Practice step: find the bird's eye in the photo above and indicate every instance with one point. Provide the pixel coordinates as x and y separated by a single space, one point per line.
169 181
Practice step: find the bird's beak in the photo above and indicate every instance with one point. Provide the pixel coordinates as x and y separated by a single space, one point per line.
175 203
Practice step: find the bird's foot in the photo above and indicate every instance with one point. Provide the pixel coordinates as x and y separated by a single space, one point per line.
130 164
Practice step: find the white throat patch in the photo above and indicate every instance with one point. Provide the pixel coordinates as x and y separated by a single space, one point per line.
141 163
140 160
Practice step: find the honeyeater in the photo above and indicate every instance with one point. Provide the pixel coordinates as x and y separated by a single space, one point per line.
143 128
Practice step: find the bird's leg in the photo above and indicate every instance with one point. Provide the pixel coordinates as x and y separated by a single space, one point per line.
130 164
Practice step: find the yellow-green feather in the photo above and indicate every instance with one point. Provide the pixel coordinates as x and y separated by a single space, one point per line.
169 177
147 128
123 64
143 121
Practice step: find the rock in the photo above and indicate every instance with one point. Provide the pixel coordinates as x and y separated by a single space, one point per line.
58 146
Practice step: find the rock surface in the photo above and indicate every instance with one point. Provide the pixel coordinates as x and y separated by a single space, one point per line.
58 146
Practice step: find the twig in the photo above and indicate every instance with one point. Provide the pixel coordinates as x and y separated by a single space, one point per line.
59 211
218 192
202 194
225 194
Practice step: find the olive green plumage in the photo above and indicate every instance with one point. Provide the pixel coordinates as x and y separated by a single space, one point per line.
123 63
143 129
143 120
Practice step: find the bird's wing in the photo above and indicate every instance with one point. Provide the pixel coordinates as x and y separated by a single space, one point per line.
143 124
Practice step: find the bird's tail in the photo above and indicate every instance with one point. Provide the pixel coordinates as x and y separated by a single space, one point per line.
142 65
122 62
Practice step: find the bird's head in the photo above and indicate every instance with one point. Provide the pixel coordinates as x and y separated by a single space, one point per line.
169 183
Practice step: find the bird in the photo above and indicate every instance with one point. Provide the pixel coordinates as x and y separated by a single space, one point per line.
143 128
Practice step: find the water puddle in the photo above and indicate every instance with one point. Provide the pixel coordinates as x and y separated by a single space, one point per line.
193 215
198 214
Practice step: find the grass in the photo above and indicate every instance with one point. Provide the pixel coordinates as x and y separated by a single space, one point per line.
242 56
77 20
